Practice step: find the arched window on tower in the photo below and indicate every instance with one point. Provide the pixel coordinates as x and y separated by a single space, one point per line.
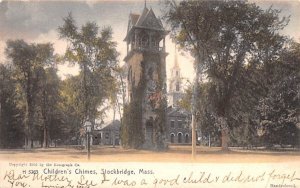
145 41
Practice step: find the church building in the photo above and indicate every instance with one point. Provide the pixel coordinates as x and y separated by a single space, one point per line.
178 119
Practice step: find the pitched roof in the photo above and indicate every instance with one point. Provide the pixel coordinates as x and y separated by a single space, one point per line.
173 111
142 16
146 20
114 125
149 20
134 18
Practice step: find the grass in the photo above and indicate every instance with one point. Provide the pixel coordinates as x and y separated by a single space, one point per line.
174 154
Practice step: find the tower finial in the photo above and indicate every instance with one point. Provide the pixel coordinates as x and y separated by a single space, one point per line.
145 3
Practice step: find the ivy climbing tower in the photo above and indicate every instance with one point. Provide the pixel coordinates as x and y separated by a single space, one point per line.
146 63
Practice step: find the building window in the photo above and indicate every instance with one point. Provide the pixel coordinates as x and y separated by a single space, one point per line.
172 137
186 138
186 124
179 137
172 123
145 41
106 135
177 86
179 123
177 73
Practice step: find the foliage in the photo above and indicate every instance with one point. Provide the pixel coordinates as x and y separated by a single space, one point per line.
29 60
279 108
49 110
185 102
131 131
97 58
226 37
71 107
160 111
10 116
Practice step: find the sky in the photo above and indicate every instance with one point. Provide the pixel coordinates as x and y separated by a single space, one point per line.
38 20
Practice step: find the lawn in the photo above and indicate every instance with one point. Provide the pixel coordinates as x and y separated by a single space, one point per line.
174 154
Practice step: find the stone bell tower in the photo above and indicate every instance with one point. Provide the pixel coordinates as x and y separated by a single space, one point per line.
146 63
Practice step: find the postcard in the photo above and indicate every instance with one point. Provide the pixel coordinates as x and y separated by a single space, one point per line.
149 93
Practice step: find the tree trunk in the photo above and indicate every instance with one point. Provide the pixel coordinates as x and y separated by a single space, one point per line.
47 138
194 137
86 97
28 114
222 121
44 111
225 139
28 131
26 128
45 127
30 123
0 123
194 110
45 144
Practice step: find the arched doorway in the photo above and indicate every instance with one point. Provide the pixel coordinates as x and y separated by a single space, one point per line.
149 131
186 138
117 141
172 137
179 137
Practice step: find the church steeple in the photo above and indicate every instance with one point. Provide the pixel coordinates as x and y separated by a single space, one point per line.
175 88
176 59
175 83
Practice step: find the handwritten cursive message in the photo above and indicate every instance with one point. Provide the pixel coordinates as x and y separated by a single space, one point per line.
99 175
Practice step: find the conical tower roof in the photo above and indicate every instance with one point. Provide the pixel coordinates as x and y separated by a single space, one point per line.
145 20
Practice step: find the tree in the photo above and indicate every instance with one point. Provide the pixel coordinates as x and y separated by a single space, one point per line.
279 107
225 37
49 99
71 107
96 56
120 94
11 130
185 102
27 60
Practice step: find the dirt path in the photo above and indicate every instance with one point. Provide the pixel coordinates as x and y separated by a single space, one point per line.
174 154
